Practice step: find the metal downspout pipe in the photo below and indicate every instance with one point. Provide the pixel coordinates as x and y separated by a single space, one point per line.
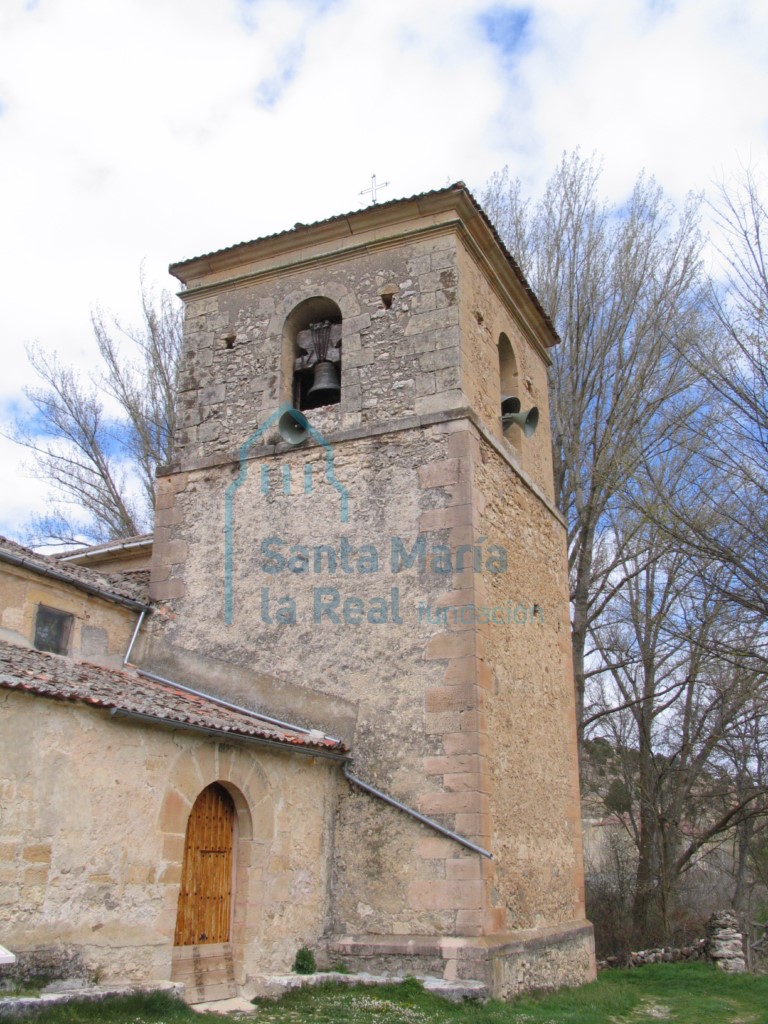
127 657
353 779
235 707
209 696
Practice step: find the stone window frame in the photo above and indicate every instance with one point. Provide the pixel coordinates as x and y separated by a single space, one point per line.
310 310
57 624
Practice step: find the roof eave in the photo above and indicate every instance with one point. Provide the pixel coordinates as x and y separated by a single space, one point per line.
375 222
228 736
104 593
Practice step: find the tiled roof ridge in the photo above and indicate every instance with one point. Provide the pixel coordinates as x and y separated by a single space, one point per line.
56 677
457 186
114 587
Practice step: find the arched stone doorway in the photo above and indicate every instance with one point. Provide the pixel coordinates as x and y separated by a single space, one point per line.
212 970
204 912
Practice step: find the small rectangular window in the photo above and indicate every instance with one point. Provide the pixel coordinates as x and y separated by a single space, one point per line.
52 630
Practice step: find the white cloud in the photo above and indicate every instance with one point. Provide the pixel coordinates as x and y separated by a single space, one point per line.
161 129
675 88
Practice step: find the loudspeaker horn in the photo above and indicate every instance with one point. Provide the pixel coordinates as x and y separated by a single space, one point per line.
510 413
293 426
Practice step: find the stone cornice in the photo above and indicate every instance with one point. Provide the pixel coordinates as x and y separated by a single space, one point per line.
383 226
372 430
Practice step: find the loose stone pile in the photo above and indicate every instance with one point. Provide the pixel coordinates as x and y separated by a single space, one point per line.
724 944
660 955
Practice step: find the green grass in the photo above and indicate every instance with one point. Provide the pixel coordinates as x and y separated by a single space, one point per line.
154 1008
679 993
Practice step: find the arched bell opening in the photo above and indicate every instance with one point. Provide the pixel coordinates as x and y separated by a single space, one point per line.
508 386
516 422
312 339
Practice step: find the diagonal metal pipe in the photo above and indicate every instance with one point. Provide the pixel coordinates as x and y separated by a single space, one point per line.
414 814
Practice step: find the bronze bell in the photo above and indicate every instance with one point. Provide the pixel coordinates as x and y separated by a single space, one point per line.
326 379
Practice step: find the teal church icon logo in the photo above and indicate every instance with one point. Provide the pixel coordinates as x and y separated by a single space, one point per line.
294 428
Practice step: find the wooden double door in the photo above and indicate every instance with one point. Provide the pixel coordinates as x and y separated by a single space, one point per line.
205 900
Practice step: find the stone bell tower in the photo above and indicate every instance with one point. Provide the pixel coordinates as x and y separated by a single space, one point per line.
397 576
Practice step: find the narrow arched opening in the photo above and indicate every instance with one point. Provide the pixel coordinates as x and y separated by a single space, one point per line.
507 369
508 386
313 353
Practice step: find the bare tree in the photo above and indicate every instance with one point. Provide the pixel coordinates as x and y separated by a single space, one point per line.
660 429
623 286
730 430
685 716
98 441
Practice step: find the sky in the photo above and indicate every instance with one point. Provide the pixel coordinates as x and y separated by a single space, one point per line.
143 132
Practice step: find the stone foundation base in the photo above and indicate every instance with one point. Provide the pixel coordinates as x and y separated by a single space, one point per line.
506 965
274 986
13 1007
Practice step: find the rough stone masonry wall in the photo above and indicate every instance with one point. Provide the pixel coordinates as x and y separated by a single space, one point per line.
484 317
439 713
724 942
400 487
530 705
723 945
101 630
396 361
92 820
422 686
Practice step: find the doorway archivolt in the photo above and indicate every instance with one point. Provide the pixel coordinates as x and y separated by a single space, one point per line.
217 823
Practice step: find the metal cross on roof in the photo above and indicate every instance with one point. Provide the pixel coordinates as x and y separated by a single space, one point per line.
374 187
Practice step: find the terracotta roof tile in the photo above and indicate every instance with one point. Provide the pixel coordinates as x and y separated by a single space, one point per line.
119 587
318 223
56 677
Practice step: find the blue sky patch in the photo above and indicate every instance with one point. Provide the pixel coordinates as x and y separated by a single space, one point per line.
269 90
506 27
15 407
249 11
660 6
114 434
